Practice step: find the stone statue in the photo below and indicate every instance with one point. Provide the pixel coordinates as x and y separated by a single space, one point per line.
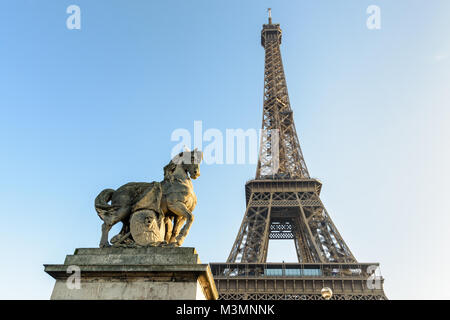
156 213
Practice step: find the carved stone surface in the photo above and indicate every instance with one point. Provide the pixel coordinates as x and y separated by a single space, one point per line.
172 202
146 228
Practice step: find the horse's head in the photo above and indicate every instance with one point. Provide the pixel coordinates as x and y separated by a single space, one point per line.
194 167
190 161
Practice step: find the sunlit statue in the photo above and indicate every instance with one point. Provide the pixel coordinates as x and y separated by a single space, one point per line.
155 213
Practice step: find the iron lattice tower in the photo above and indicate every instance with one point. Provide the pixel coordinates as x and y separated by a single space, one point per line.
283 202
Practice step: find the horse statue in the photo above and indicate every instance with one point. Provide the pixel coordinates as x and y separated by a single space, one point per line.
155 213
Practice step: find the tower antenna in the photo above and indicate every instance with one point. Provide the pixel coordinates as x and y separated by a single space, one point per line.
270 15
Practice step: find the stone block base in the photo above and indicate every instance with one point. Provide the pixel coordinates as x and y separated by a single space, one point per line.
151 273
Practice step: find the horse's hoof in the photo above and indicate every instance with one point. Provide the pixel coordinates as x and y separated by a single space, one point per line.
162 244
105 245
180 241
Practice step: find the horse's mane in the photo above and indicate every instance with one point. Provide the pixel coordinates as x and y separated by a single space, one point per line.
169 169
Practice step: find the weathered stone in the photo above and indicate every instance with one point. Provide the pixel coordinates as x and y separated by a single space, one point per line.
133 273
153 213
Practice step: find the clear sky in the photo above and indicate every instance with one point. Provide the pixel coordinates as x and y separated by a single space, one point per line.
83 110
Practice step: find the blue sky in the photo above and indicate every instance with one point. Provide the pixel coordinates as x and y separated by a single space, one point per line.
83 110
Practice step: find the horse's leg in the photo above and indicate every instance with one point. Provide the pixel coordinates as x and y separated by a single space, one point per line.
109 220
105 231
169 228
179 208
176 230
185 230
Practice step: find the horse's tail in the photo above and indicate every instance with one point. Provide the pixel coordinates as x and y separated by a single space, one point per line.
101 203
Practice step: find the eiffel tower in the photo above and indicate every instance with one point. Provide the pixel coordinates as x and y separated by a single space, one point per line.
283 202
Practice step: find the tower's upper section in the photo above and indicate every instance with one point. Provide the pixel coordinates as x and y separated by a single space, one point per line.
280 156
270 31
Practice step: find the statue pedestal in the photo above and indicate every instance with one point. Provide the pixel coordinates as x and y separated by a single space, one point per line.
150 273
